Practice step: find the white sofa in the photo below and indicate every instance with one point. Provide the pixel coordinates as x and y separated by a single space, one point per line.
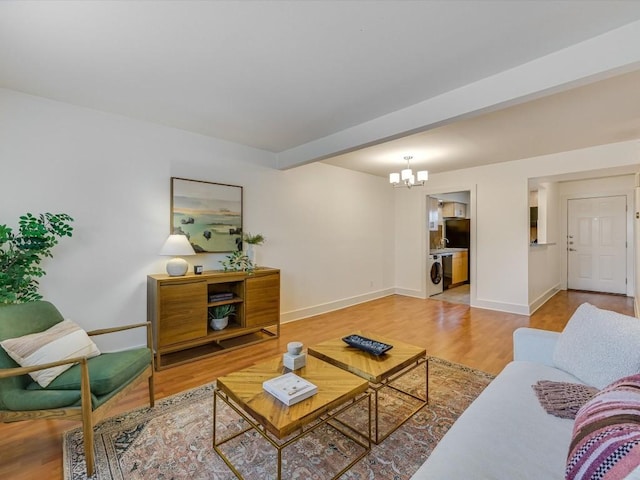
505 434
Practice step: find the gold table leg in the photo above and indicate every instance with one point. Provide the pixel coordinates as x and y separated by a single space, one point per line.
324 420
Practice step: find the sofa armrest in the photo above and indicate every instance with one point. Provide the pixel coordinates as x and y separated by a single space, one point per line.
534 345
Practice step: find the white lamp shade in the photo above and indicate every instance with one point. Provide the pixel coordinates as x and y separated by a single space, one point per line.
406 174
177 245
394 178
423 176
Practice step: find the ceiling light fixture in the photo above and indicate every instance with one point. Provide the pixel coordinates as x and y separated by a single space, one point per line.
406 178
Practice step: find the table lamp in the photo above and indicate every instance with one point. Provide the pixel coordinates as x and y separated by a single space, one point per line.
174 246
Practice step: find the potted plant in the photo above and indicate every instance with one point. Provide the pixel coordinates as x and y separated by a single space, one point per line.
252 240
237 262
219 316
22 252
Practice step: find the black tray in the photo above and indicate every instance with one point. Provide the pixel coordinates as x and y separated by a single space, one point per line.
366 344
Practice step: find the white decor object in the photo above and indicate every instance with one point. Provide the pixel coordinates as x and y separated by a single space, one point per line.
290 388
251 253
294 362
294 348
406 178
294 359
219 323
176 246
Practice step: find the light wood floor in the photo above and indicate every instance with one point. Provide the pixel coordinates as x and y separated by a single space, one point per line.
474 337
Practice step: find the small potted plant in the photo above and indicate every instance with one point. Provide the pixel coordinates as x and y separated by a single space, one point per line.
237 262
219 316
252 240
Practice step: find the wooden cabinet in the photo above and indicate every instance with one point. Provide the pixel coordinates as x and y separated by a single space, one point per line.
460 268
182 314
454 210
262 300
177 308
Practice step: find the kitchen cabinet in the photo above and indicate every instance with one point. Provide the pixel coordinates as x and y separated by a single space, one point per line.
434 214
454 210
460 267
178 307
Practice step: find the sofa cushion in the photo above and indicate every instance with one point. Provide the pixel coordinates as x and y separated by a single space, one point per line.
62 341
106 372
606 434
599 346
504 434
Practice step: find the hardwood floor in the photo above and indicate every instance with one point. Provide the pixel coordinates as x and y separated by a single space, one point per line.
478 338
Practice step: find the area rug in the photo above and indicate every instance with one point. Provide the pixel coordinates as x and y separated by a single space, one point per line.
173 439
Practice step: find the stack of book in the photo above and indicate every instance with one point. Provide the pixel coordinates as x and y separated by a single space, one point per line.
220 296
290 388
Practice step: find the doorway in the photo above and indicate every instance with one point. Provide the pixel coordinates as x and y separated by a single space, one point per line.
448 236
597 244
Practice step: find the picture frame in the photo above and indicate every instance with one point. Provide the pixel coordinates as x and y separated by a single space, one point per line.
209 214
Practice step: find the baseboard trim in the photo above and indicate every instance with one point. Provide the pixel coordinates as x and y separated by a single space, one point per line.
409 293
544 298
501 307
294 315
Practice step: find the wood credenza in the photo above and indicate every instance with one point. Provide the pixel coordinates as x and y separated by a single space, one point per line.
177 308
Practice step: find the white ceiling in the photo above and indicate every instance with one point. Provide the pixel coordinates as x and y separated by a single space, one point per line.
603 112
276 75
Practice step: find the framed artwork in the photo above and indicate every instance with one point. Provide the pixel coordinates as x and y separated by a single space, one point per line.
209 214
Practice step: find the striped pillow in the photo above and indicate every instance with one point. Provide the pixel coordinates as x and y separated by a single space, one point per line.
63 340
606 434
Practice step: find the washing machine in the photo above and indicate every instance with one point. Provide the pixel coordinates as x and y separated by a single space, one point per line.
435 274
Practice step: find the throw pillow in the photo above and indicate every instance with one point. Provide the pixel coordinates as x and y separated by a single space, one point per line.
606 434
62 341
599 346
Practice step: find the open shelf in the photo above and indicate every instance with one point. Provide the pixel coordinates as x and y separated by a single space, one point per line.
178 308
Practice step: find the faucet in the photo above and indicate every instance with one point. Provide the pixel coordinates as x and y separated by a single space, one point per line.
443 242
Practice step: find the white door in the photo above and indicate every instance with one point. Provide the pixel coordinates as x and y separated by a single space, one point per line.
597 244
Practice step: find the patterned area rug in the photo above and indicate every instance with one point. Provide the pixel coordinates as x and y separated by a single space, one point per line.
173 439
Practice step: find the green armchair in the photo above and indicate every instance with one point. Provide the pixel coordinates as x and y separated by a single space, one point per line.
83 392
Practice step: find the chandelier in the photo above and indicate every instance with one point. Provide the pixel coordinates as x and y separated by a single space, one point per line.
406 178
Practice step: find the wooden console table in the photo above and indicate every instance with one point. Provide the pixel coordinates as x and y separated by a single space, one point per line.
177 308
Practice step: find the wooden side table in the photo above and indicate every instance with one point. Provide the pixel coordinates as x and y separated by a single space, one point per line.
380 371
338 391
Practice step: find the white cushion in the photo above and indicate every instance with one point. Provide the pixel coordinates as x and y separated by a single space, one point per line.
505 434
599 346
62 341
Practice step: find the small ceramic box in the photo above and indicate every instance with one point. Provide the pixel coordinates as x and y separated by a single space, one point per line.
294 362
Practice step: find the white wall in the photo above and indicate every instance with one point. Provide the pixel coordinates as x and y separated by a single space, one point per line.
328 229
500 221
544 257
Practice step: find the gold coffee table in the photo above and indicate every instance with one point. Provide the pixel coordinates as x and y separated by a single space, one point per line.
380 371
338 391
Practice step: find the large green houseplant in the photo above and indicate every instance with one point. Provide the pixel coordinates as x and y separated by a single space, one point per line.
21 254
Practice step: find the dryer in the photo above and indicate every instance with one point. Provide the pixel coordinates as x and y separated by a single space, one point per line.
435 275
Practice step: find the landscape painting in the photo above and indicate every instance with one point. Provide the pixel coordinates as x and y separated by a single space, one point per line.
209 214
